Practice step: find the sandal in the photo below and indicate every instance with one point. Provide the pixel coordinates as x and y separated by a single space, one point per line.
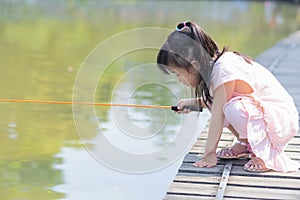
256 165
229 153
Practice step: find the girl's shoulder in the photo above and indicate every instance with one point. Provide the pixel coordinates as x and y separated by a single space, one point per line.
231 66
229 56
225 60
233 60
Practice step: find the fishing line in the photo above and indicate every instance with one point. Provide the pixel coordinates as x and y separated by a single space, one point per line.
192 108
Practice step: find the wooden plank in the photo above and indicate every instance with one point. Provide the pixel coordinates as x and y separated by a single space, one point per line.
196 189
198 178
206 182
224 139
269 182
239 171
187 197
295 141
293 156
246 192
226 133
293 148
189 168
190 158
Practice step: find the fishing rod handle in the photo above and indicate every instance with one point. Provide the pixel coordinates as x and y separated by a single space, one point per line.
192 108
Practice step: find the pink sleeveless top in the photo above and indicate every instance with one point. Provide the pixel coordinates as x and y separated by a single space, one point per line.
268 133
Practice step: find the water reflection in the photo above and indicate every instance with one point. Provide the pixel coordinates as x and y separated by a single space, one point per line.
30 179
43 44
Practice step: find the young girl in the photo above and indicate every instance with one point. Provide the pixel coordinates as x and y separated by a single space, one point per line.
240 94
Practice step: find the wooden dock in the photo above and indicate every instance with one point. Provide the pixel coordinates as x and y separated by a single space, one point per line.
228 180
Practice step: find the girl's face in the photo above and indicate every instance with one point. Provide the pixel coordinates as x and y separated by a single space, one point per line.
188 78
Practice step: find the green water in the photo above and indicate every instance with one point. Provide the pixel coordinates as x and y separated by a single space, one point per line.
42 46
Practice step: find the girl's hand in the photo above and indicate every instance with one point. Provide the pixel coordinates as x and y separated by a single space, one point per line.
185 102
208 161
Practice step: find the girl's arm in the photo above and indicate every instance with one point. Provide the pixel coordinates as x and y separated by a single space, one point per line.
221 95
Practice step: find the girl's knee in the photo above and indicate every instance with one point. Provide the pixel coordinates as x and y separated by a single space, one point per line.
233 108
236 115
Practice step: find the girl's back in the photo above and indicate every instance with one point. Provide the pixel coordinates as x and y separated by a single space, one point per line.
266 87
278 108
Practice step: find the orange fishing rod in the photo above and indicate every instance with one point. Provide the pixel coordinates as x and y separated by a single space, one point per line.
192 108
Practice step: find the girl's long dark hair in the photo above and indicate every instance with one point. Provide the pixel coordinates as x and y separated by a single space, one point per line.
190 43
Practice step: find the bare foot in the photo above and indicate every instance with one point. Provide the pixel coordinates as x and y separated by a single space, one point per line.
210 160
